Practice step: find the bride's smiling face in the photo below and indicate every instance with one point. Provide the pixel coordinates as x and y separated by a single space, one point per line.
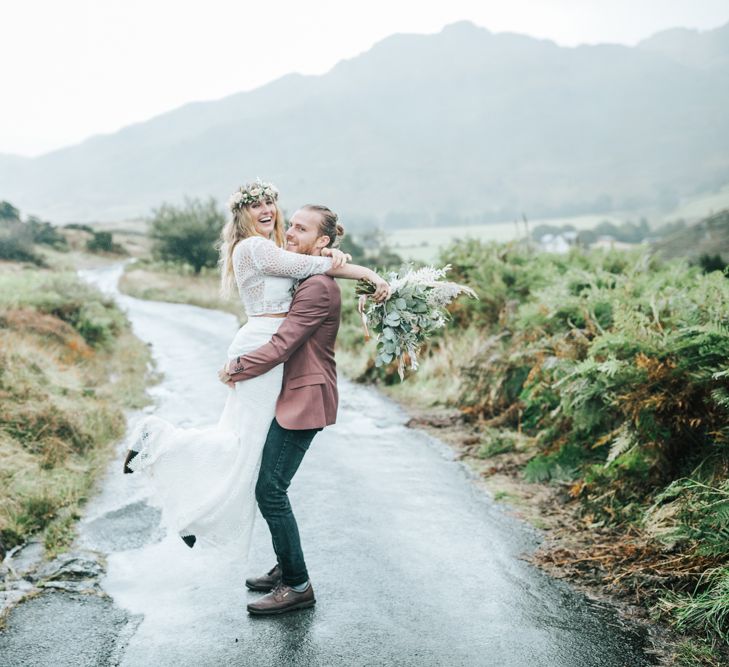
263 213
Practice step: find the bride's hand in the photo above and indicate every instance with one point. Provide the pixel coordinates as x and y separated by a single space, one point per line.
339 258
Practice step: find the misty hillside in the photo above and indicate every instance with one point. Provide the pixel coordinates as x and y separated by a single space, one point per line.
709 236
462 125
691 47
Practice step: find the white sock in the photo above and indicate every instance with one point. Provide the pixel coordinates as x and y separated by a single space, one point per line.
301 587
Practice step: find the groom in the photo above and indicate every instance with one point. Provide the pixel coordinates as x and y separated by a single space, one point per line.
307 403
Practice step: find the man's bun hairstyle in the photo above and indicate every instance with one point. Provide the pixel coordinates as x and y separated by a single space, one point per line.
329 226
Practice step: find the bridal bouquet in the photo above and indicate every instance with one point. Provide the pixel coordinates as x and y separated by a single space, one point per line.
415 309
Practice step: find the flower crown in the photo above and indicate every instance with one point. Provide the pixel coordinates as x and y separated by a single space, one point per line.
250 193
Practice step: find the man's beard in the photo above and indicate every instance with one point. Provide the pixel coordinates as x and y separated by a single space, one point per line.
300 249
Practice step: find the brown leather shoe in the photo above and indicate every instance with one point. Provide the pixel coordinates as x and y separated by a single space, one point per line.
267 582
281 599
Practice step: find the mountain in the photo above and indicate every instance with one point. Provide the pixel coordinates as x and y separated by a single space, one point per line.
421 129
9 163
709 49
709 236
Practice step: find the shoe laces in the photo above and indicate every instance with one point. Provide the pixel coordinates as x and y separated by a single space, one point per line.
278 590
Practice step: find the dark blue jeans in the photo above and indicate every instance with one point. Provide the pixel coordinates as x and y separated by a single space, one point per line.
282 454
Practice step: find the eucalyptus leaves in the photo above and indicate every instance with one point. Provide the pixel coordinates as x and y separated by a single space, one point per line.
415 309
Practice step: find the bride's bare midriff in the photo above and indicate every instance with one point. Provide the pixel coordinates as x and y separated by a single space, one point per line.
273 315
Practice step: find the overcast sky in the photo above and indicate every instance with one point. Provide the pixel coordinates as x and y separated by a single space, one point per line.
74 68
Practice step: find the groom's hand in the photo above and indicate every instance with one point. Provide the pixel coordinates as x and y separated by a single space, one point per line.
224 377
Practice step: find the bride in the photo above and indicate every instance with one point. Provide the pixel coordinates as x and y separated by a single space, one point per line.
205 478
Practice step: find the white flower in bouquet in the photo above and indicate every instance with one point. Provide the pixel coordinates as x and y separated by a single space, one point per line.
415 309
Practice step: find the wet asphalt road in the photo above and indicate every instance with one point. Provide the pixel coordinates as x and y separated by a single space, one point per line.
411 563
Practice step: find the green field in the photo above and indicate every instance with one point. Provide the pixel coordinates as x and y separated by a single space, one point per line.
424 243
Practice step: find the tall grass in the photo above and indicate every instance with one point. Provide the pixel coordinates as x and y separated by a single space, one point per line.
159 281
69 365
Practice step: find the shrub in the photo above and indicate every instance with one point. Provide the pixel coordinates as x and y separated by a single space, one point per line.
187 234
616 362
9 212
44 233
79 227
16 243
709 263
103 242
62 295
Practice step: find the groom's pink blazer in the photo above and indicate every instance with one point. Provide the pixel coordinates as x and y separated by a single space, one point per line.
305 343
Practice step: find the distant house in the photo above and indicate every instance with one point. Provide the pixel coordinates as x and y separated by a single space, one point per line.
558 243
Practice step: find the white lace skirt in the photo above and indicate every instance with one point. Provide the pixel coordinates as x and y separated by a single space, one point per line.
204 478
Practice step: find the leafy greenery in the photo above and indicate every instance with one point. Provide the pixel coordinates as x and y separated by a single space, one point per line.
103 242
187 234
17 238
604 351
79 226
414 311
44 233
709 263
8 211
16 243
61 295
495 442
617 365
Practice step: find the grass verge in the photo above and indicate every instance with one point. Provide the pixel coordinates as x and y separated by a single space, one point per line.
69 367
156 281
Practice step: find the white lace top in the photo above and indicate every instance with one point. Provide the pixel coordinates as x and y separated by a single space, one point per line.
265 274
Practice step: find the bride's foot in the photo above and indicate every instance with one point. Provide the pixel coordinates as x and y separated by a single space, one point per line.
130 455
139 441
189 540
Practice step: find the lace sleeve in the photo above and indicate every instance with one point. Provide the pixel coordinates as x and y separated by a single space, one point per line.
271 260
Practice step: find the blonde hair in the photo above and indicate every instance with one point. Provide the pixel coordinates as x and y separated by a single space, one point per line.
241 226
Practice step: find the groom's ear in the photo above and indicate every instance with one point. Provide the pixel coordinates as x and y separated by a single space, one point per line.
322 242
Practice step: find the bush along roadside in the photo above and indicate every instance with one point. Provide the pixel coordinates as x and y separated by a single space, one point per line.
604 375
69 366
